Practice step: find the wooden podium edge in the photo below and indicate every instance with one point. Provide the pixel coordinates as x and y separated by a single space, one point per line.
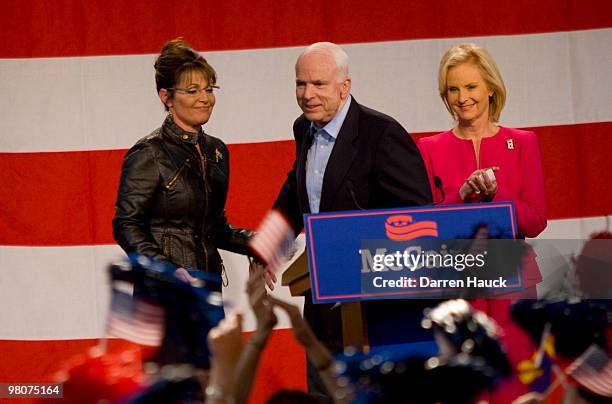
354 324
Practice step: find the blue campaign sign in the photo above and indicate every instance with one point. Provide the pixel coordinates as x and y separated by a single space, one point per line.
410 252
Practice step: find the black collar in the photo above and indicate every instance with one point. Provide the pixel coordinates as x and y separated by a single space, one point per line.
183 135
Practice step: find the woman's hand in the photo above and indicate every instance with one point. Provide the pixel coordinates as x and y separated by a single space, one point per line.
479 187
182 274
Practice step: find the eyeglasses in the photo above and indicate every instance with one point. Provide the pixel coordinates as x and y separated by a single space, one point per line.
196 91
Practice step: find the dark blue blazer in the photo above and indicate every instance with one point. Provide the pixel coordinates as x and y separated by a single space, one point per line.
374 164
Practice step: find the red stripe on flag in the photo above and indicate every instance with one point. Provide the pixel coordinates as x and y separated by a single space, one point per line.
282 365
111 27
257 172
67 198
62 198
576 174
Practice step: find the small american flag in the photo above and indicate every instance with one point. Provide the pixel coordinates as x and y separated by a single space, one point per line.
274 241
135 320
593 370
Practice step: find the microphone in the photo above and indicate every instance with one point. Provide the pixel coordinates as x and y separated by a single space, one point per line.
349 184
438 184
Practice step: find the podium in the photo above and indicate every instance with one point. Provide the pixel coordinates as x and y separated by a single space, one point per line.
338 265
354 324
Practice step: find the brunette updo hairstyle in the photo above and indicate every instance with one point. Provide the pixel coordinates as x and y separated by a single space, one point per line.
177 60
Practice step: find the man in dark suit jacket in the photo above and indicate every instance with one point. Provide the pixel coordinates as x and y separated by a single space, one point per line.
348 157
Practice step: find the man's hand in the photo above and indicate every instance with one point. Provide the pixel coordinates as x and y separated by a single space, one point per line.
270 277
266 272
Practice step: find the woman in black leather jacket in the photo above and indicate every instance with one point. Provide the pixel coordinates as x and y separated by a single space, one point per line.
174 182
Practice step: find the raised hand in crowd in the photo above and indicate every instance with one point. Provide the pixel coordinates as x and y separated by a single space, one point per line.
225 344
266 320
263 305
320 357
262 309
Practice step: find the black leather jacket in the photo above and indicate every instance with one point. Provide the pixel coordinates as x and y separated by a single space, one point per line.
168 210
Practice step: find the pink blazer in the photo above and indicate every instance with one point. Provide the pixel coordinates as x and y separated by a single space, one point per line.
520 178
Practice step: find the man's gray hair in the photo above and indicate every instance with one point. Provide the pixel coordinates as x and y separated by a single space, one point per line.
333 50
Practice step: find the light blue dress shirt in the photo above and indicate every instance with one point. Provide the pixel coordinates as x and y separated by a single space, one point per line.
318 155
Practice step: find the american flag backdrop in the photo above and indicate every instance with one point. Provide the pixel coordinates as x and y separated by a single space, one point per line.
77 85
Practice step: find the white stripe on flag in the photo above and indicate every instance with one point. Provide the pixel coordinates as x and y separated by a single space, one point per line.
557 80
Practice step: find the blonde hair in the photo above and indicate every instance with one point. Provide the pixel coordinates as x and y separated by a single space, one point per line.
472 53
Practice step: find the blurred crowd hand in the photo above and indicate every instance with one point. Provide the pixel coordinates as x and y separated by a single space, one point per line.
530 398
478 186
318 354
259 302
225 340
244 375
301 330
263 305
225 345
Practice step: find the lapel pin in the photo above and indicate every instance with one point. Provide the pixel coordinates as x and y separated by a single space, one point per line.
218 155
510 144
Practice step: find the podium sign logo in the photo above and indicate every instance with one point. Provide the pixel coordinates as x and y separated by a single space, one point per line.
403 227
411 252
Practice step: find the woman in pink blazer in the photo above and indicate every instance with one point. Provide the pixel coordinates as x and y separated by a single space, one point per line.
479 160
473 91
